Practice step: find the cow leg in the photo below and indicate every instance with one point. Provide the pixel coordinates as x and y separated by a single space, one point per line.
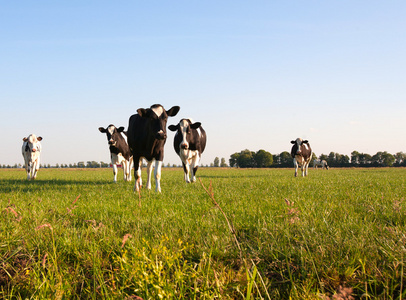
137 173
306 166
295 165
35 169
115 172
195 165
149 173
125 168
157 173
186 171
28 170
129 165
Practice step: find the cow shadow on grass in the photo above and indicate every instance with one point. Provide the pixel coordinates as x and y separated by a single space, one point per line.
24 185
228 176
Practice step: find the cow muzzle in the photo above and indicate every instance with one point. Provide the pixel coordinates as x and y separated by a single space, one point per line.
184 146
160 135
34 150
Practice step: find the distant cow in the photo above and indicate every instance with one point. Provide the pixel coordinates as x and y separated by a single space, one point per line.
146 138
31 152
320 163
189 144
301 154
119 151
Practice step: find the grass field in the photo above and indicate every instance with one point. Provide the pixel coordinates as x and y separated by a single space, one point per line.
258 233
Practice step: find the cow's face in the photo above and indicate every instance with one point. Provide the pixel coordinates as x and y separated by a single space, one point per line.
158 117
112 134
297 145
33 145
184 129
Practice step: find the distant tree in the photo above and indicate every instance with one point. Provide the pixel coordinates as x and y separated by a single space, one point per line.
223 163
400 159
233 161
365 159
355 158
216 162
263 159
323 157
286 159
344 161
314 157
377 159
388 159
92 164
246 159
331 159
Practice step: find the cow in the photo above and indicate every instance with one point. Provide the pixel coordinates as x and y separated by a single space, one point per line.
146 137
301 154
320 163
31 151
189 144
119 151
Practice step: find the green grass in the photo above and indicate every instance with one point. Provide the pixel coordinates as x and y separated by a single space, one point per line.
74 234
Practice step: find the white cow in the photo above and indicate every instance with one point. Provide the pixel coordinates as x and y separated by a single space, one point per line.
31 152
320 163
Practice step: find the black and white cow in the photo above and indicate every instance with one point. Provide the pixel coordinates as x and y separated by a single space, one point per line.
31 151
119 151
301 154
189 144
320 163
146 138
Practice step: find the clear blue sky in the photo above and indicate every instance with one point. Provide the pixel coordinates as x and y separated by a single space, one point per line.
256 74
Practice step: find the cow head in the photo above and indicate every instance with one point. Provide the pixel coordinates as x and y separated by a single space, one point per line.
33 145
158 117
296 145
112 134
184 129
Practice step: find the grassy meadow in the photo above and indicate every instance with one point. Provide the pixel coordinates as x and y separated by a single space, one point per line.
237 234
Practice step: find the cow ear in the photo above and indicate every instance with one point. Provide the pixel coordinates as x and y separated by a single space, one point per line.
102 130
120 129
195 125
305 141
142 112
173 127
25 139
292 142
39 138
173 111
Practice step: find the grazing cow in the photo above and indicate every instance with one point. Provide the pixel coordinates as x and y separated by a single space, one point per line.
146 138
119 151
320 163
189 144
301 154
31 152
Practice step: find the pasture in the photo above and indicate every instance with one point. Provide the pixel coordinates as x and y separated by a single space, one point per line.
74 234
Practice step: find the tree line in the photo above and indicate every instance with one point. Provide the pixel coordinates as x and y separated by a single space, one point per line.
81 164
264 159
